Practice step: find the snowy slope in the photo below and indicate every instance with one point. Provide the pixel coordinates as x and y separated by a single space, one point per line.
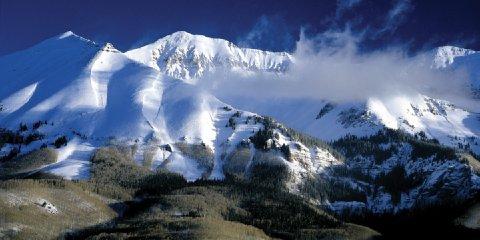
149 99
95 96
186 56
444 56
79 88
454 58
420 178
439 119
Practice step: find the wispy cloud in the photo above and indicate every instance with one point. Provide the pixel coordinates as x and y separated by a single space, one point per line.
388 22
330 66
396 16
270 33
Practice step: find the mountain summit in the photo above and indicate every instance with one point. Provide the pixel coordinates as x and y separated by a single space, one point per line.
186 56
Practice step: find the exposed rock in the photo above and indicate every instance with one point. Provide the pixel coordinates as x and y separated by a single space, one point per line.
45 204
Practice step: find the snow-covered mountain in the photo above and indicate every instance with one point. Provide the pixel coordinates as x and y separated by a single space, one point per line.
439 119
449 57
186 56
96 95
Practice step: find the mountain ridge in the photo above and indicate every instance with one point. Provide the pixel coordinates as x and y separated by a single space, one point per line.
186 56
80 96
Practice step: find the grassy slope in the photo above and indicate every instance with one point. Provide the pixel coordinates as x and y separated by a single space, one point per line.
19 209
162 205
226 211
231 209
27 162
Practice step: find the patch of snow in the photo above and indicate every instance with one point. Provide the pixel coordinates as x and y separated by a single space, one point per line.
73 161
185 166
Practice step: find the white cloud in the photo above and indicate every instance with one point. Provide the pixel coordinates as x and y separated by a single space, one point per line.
269 32
396 16
329 66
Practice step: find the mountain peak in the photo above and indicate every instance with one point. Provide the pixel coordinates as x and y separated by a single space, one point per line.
445 55
66 34
181 34
186 41
186 36
187 56
108 47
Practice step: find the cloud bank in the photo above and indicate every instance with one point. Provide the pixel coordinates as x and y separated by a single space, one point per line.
330 66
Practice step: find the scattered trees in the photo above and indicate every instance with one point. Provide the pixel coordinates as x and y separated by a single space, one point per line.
384 144
285 149
327 108
11 154
397 181
33 137
23 127
231 123
60 142
260 138
38 124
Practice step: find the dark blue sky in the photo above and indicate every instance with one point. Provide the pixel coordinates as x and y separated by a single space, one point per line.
266 24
